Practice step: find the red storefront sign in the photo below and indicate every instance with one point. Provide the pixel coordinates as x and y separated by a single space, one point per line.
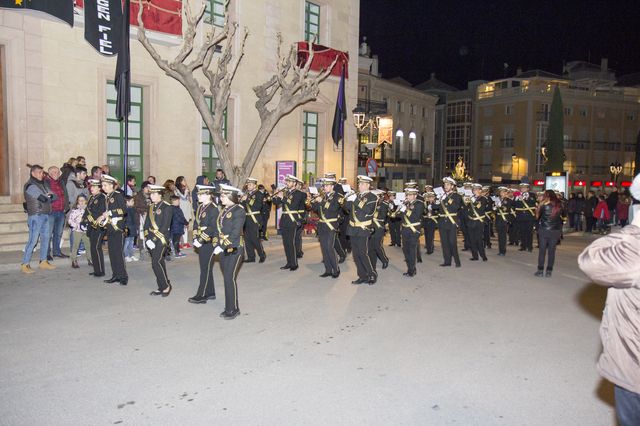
596 183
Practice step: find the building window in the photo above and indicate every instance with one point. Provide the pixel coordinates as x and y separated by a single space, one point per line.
543 114
459 112
424 112
568 111
508 109
631 116
311 22
115 135
398 106
210 160
214 13
582 112
309 144
487 141
541 139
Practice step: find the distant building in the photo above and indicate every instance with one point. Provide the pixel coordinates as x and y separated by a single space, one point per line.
407 126
511 117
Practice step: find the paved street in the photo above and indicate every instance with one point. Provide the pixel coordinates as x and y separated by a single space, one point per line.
481 345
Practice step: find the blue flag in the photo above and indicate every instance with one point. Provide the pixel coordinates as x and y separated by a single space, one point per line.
340 115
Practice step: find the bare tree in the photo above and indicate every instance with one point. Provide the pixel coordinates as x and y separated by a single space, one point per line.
291 86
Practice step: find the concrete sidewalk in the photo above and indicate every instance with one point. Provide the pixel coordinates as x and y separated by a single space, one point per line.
484 344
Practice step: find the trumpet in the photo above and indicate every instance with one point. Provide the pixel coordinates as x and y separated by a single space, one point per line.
279 191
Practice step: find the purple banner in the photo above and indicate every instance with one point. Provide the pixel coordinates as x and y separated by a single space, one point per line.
283 168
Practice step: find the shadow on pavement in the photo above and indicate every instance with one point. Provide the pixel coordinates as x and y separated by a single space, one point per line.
591 298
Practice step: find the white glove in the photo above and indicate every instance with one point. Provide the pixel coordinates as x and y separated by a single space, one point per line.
429 207
437 202
351 197
114 221
218 250
150 244
197 243
403 208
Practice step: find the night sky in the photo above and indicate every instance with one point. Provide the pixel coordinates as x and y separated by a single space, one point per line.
470 40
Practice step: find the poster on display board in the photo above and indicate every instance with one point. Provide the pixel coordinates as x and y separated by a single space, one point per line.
283 168
557 181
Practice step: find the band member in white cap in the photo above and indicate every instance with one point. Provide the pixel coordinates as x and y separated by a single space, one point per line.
448 207
475 210
252 203
113 220
157 237
293 210
205 240
412 211
525 207
431 220
230 224
376 250
361 208
328 207
339 193
96 206
504 218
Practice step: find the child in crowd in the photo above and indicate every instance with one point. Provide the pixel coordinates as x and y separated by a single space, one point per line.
178 222
78 229
131 223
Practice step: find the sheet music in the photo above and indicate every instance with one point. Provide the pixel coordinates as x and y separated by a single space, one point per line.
439 191
313 190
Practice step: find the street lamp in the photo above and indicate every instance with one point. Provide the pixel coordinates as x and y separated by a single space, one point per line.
615 169
365 121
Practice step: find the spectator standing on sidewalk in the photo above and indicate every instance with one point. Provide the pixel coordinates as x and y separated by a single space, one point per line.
38 198
612 203
622 210
589 208
183 192
549 214
577 221
59 207
601 215
614 261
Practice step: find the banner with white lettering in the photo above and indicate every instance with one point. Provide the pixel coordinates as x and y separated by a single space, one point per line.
102 25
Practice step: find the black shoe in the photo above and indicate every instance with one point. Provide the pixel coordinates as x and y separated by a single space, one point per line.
299 256
445 264
293 268
212 297
124 281
372 279
548 273
167 293
92 273
250 261
419 261
155 293
61 256
50 258
262 259
358 281
111 280
539 273
406 274
473 258
74 264
385 265
335 274
412 273
325 275
458 265
197 299
484 259
285 267
230 315
342 259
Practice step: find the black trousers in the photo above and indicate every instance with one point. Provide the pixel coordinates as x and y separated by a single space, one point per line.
488 231
116 254
449 242
376 250
476 237
175 240
229 264
289 243
410 248
264 217
394 231
360 251
465 232
159 266
502 228
97 255
548 240
328 240
513 232
345 240
337 246
252 240
526 234
429 235
299 251
206 258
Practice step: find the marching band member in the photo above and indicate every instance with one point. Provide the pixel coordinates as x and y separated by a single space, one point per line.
513 232
230 224
252 202
95 230
328 207
488 221
339 191
431 222
394 221
205 240
448 207
157 237
113 219
343 238
525 207
361 207
292 202
376 250
411 225
504 218
305 207
475 209
419 197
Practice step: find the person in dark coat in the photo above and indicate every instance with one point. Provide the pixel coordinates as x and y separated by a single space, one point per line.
549 215
590 204
178 223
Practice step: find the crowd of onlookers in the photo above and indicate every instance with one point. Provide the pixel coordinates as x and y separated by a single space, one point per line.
596 213
56 198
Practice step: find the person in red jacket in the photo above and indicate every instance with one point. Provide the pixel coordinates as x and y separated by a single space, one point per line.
601 215
622 210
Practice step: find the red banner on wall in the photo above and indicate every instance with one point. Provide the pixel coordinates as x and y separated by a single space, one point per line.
164 16
323 58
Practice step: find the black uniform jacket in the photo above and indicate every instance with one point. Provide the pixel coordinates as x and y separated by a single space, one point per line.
476 209
157 225
412 217
95 207
361 212
205 226
293 208
230 223
253 206
328 210
504 212
525 207
117 208
448 209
